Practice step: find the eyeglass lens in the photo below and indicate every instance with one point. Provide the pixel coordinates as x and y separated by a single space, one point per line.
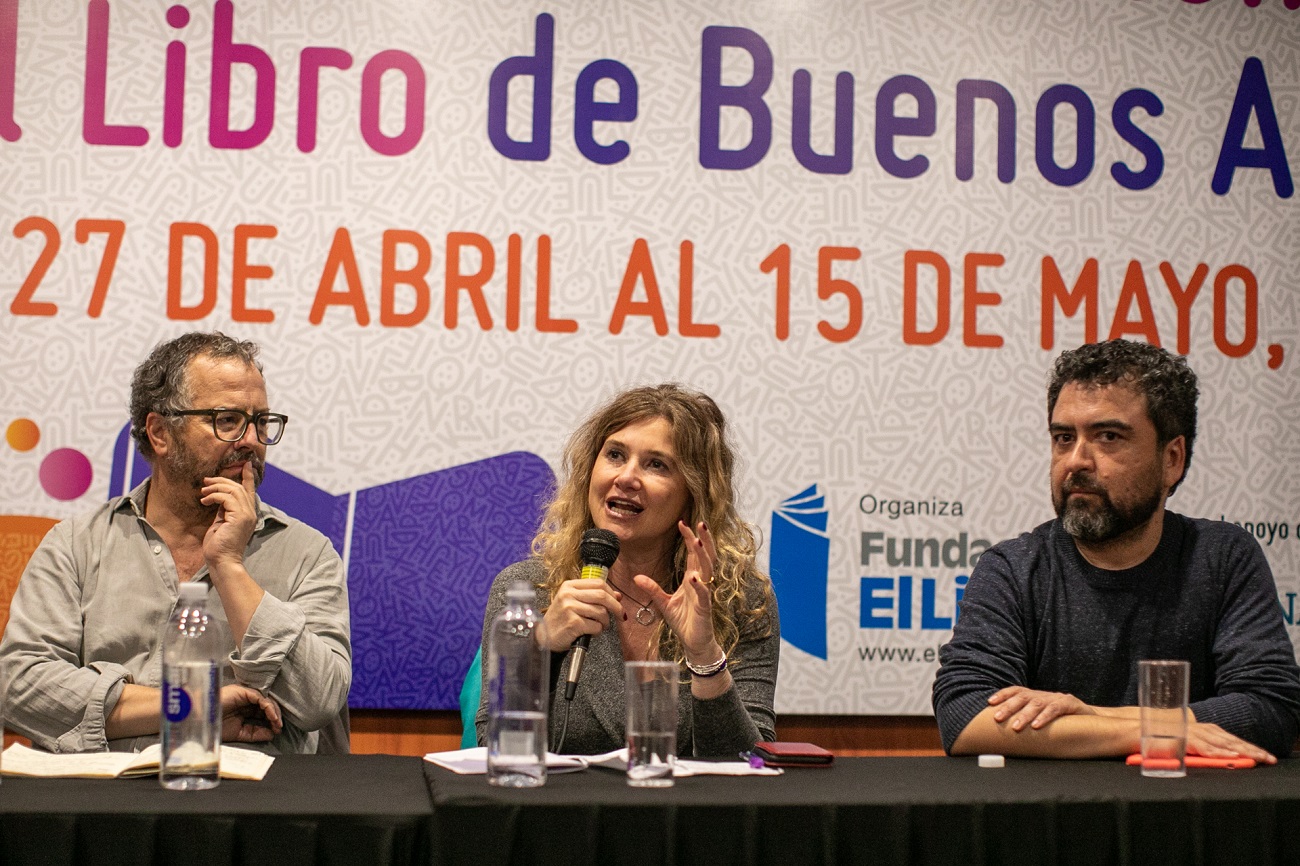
230 426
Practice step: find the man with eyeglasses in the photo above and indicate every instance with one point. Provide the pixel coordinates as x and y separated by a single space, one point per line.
81 651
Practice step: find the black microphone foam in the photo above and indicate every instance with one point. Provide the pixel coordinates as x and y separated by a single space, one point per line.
599 547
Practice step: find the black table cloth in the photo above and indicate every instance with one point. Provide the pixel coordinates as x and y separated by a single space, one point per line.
344 809
880 811
382 809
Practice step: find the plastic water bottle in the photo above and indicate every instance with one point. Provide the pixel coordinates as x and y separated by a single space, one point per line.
191 695
517 677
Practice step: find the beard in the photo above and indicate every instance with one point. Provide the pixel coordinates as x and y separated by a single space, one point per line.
184 468
1100 520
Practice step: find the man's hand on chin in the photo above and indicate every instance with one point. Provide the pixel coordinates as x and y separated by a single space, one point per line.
227 537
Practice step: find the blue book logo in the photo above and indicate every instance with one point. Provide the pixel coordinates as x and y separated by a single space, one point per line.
799 564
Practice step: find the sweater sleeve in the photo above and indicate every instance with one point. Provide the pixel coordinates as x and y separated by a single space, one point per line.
989 649
1256 681
735 720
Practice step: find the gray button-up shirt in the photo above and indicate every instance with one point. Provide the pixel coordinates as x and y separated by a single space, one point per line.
88 614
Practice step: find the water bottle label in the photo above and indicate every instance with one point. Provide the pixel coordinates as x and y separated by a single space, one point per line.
176 703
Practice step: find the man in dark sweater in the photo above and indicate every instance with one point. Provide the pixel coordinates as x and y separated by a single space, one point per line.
1043 658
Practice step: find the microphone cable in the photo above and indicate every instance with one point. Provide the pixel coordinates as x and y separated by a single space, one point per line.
564 729
598 551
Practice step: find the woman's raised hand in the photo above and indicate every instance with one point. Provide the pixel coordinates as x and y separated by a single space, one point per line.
689 610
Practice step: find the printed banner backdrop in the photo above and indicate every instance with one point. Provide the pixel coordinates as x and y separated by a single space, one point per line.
866 228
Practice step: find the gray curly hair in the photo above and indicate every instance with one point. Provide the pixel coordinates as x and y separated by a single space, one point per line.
161 382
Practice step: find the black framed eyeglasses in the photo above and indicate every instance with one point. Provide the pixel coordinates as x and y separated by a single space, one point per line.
229 425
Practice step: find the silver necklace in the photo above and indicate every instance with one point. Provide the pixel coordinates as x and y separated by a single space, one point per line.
646 610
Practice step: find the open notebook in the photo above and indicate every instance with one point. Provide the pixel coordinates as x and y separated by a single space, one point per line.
19 760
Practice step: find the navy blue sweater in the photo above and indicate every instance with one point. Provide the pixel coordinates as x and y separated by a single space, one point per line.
1035 613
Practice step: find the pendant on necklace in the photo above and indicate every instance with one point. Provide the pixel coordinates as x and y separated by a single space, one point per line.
649 615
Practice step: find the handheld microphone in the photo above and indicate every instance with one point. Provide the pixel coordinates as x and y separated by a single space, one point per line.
599 550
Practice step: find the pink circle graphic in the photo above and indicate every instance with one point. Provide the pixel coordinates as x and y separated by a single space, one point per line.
66 473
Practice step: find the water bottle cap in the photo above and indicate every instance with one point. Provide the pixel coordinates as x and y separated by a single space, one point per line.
193 590
521 591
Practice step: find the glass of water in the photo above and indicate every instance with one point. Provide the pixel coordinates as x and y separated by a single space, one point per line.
651 723
1162 702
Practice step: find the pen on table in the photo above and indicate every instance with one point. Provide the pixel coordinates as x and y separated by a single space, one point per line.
754 760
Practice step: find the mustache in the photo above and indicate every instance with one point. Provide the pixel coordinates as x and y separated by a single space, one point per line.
1082 484
244 455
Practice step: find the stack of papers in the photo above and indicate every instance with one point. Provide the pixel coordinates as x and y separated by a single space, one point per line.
473 762
19 760
469 762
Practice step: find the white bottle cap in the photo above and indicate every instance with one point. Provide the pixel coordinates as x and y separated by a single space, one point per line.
992 761
193 590
521 590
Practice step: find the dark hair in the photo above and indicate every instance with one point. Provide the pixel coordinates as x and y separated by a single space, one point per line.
1164 379
161 382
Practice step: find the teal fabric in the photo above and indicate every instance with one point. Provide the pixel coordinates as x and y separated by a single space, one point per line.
469 693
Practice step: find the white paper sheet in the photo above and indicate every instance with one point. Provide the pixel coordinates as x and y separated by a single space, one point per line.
470 762
473 762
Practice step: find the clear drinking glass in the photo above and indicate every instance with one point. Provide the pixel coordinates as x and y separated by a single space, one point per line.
1162 702
651 723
